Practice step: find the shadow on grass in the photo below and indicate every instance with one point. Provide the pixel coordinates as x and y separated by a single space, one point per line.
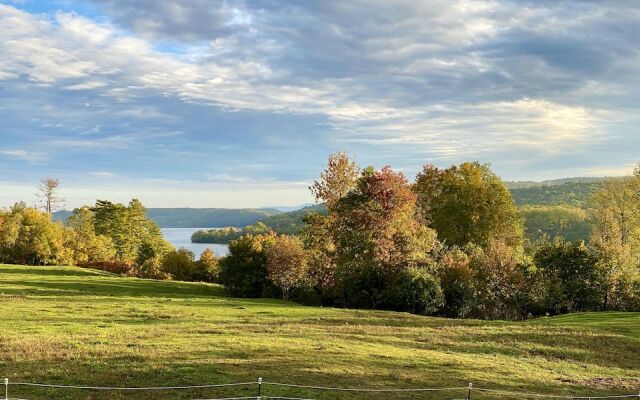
52 271
219 367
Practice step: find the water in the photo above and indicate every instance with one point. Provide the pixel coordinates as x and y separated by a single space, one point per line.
181 237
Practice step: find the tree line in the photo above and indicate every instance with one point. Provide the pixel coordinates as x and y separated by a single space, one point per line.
450 243
109 236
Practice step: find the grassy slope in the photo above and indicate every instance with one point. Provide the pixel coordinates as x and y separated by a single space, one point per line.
76 326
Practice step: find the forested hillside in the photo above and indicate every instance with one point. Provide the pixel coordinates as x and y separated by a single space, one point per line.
566 192
556 208
199 217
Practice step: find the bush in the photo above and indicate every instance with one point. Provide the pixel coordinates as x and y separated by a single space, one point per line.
575 282
499 285
456 279
179 264
150 269
417 291
244 271
207 269
115 267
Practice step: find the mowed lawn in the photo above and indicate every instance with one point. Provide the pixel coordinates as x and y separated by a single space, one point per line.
84 327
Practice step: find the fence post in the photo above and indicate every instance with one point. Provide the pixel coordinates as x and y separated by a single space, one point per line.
6 388
259 387
469 391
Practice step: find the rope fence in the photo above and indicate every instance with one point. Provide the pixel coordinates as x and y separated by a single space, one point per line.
259 384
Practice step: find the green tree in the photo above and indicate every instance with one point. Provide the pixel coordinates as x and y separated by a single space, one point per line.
135 237
615 211
207 268
456 278
179 264
468 204
574 280
417 291
317 236
244 271
570 223
87 247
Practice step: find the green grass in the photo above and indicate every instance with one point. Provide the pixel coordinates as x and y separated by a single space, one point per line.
85 327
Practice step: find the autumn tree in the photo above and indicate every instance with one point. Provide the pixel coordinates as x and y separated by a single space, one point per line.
334 183
48 193
336 180
468 204
207 268
377 235
28 236
287 266
456 278
317 236
498 281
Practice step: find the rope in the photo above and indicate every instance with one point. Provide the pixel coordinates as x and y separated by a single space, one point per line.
364 389
284 398
232 398
554 396
328 388
131 388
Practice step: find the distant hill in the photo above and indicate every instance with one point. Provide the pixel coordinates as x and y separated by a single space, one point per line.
286 209
199 217
552 182
574 192
293 221
290 223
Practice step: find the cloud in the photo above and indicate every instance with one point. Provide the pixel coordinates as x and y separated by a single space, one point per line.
180 20
24 155
203 89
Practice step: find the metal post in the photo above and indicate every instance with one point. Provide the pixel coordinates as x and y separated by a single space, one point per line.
469 391
6 388
259 387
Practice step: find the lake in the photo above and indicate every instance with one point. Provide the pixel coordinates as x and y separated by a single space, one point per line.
181 237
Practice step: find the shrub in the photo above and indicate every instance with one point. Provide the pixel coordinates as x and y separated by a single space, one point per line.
417 291
456 279
244 271
576 283
499 284
207 269
151 268
179 264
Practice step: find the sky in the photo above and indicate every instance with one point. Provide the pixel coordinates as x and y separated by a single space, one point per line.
205 103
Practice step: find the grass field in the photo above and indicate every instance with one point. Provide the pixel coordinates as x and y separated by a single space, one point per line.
84 327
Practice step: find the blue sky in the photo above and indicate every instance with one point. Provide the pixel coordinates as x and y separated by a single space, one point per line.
205 103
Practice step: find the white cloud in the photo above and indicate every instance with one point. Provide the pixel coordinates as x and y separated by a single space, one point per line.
490 80
30 157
